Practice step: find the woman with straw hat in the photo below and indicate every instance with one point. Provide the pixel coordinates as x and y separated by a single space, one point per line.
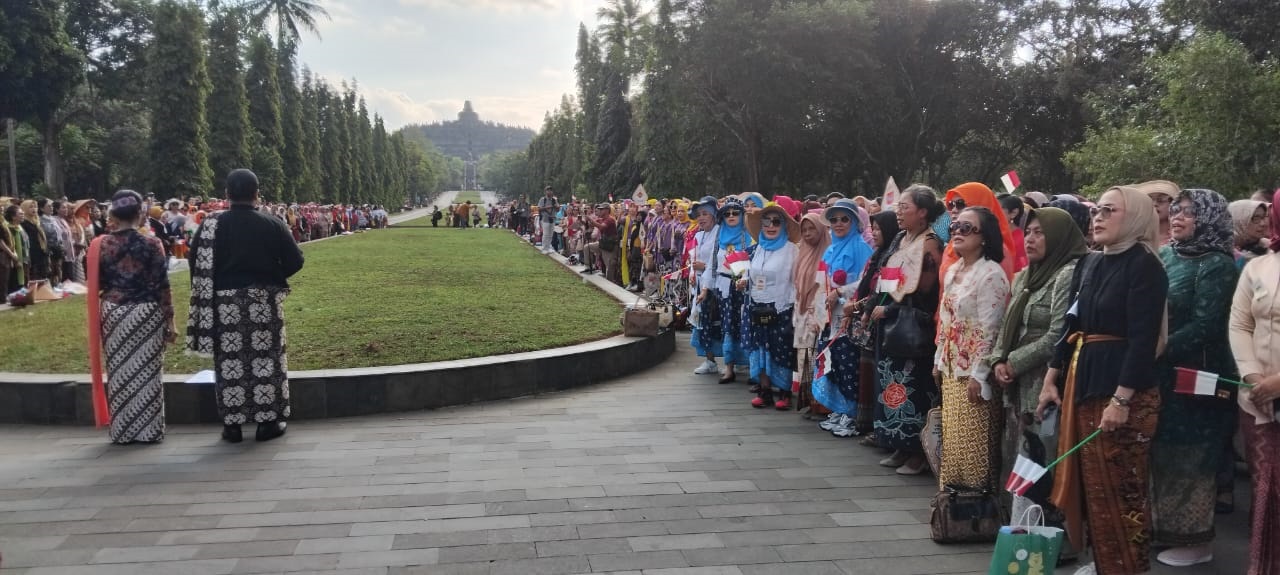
771 298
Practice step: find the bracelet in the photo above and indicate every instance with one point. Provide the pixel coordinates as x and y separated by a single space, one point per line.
1115 401
1121 401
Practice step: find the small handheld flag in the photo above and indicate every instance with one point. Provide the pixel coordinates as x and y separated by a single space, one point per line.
1193 382
890 278
640 194
738 262
890 194
1025 474
822 363
1010 181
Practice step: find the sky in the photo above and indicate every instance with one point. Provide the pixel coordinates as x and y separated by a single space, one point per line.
416 61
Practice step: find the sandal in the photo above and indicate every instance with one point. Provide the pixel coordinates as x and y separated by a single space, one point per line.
732 377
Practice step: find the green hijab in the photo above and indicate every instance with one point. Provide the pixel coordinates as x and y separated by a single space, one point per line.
1065 243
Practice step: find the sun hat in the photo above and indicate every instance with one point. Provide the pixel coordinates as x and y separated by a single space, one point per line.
730 203
709 201
845 205
755 221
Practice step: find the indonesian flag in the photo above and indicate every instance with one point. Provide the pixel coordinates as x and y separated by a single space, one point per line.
1192 382
1010 181
890 197
1025 474
795 382
889 280
822 363
738 262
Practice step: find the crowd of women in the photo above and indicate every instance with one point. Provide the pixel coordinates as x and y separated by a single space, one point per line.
42 239
1004 326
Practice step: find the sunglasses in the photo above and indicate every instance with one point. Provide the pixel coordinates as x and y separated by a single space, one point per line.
1102 212
964 229
841 219
773 222
732 213
1181 210
956 204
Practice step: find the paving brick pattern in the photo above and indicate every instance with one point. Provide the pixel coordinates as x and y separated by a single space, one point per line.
662 473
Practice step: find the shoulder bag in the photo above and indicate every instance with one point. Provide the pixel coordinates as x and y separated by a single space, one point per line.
908 332
966 516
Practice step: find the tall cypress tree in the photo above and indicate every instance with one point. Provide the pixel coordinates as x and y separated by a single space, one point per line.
229 122
355 189
364 147
294 145
345 191
311 184
264 117
663 149
179 152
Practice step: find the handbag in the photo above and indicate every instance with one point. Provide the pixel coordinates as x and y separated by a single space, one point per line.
608 244
639 322
931 440
763 314
1026 548
908 333
966 516
650 265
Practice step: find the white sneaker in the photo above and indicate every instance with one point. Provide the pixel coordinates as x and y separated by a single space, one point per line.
845 427
707 367
830 422
1087 570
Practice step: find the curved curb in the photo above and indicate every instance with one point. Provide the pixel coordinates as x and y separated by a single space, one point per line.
30 398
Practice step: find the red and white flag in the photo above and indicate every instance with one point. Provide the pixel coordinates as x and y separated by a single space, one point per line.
1192 382
822 363
890 278
1025 474
890 197
1010 181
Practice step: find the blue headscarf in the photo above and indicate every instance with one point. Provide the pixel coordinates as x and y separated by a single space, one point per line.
735 236
775 244
849 253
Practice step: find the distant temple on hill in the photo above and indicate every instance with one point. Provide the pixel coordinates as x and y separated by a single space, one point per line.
470 139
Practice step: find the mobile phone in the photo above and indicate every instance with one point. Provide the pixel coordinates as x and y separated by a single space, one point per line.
1049 425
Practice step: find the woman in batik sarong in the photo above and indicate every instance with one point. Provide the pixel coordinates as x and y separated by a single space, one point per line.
969 318
884 228
242 259
1189 445
130 319
811 304
909 284
1254 327
843 263
1115 328
1032 326
730 236
771 293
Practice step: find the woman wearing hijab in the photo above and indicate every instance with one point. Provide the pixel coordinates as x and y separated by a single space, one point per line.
131 320
970 195
1188 448
1249 220
907 290
730 236
1032 326
771 299
811 304
884 228
1115 327
843 261
1255 324
969 317
1163 194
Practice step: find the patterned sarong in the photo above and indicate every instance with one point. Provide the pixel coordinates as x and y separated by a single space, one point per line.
133 343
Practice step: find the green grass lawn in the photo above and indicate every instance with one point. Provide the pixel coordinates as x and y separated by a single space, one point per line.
380 298
472 196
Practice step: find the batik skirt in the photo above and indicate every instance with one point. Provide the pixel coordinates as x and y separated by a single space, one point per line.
708 334
1262 448
133 342
772 352
1186 454
249 356
906 394
838 389
737 328
970 438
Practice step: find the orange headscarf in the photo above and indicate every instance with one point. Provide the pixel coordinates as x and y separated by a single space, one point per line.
976 194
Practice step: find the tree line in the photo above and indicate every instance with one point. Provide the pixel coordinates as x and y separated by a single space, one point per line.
168 96
811 96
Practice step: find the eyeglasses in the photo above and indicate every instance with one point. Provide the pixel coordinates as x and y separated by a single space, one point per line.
1181 210
841 219
732 213
773 222
964 229
956 204
1258 219
1101 212
1162 199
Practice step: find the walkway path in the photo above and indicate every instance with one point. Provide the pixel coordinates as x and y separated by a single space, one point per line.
661 473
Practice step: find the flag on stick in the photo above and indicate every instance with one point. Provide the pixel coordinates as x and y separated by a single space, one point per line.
1193 382
822 363
890 197
1010 181
1025 474
738 262
889 279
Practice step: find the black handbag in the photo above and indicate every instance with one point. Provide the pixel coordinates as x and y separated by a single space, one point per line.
908 332
763 314
966 516
609 244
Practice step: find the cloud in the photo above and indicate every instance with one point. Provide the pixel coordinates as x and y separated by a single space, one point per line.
499 5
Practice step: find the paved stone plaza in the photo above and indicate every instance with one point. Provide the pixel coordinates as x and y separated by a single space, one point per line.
663 473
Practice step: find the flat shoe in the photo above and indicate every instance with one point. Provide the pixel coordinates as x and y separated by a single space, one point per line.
730 379
232 434
269 431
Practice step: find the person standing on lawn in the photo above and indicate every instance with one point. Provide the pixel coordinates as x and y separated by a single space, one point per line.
548 206
242 261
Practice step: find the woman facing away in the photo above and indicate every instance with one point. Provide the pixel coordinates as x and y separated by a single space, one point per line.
904 370
1115 327
1193 432
969 318
131 318
1254 325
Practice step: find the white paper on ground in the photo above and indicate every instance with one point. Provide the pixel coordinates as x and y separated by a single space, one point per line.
204 377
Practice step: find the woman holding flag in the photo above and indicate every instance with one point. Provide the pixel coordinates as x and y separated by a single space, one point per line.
131 320
1116 329
884 228
717 281
1187 451
771 308
904 311
835 379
